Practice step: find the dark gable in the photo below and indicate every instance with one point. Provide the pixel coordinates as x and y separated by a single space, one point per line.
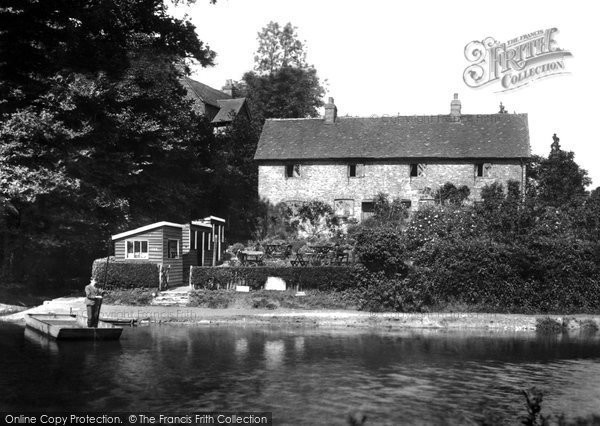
442 136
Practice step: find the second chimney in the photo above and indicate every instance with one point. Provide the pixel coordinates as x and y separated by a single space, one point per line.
330 112
228 88
455 106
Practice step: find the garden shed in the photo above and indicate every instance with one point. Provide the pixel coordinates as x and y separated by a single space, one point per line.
174 246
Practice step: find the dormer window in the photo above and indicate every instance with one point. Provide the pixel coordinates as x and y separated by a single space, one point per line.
292 171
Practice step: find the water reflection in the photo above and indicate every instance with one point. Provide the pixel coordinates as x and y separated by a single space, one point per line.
402 378
274 353
241 347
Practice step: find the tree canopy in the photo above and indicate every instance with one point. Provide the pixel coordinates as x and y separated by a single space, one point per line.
557 180
95 128
278 47
282 84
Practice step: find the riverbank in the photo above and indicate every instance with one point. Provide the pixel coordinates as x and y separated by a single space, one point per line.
195 316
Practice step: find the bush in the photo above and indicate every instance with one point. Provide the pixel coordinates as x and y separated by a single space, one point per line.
333 278
378 292
381 250
124 274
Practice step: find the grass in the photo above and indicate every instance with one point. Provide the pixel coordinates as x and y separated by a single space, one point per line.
550 326
262 299
131 297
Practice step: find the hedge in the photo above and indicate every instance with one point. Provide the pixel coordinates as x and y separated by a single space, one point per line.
323 278
125 274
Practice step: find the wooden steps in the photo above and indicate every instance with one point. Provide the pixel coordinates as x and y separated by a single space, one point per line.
177 297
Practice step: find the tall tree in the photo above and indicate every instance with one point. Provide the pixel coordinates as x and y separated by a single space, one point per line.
283 85
278 48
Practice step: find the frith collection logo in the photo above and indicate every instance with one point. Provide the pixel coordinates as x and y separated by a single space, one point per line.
516 62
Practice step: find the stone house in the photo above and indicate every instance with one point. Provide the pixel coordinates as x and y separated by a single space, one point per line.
346 161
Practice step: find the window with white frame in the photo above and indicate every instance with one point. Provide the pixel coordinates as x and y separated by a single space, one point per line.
136 249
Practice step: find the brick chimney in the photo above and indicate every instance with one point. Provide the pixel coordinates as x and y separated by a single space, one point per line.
455 106
229 88
330 112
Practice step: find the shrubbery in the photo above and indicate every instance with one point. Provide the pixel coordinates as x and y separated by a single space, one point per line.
332 278
503 255
381 249
124 275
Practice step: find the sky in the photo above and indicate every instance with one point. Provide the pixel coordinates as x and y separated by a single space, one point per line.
386 57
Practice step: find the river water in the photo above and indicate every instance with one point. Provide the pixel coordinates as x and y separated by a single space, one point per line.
304 376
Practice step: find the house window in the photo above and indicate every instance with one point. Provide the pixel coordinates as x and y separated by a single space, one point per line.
356 170
417 170
292 170
482 169
368 209
343 208
173 249
406 204
136 249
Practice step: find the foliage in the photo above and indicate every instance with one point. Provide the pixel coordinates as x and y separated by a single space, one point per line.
129 297
333 278
279 48
315 219
560 180
262 299
124 274
381 249
274 221
233 182
285 93
549 325
448 193
92 144
378 292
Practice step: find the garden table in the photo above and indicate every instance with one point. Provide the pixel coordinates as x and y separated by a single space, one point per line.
251 257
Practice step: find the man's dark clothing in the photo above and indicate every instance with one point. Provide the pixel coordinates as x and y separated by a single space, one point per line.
93 301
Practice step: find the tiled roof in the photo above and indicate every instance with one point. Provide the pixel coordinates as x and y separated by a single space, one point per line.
205 93
229 109
438 136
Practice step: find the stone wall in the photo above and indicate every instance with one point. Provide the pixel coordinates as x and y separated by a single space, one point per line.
330 181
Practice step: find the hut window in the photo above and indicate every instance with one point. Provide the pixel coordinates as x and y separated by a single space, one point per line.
136 249
173 249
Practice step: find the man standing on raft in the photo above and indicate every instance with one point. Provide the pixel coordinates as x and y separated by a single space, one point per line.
93 302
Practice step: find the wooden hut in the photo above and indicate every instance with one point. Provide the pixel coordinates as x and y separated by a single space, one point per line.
174 246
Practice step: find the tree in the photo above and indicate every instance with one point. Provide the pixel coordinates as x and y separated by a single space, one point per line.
91 142
283 85
286 93
558 180
449 193
278 48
